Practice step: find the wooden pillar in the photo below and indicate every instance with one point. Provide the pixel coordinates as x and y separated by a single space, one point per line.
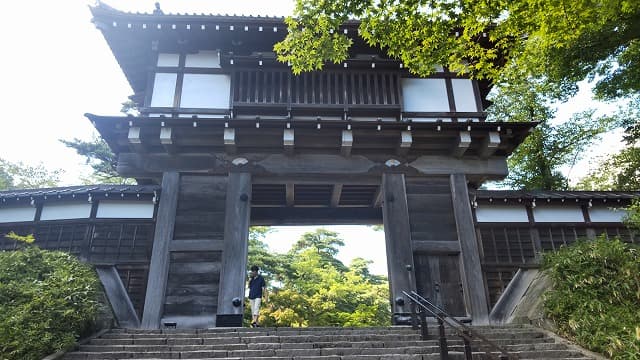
233 274
159 267
472 277
395 215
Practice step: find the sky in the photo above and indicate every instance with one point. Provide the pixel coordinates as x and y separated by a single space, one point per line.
57 66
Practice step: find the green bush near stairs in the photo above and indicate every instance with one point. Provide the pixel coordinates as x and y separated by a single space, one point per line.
595 299
47 300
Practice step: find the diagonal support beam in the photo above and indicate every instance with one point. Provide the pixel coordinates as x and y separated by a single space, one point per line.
377 198
288 139
406 139
290 191
336 194
489 144
347 142
462 144
230 140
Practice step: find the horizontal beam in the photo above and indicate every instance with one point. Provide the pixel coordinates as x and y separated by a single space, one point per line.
196 245
315 216
436 247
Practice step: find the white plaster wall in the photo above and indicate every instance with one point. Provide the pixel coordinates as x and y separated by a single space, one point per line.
424 95
463 94
558 214
205 91
605 214
165 59
65 211
501 213
17 214
203 59
164 88
120 209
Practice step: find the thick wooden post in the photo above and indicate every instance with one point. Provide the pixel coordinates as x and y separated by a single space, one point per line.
472 277
159 267
233 275
395 215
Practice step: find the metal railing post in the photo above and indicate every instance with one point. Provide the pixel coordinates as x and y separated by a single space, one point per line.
444 350
467 345
424 330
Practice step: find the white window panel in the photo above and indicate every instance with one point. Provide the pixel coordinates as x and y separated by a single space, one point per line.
605 214
17 214
65 211
463 94
501 213
121 209
208 91
424 95
558 214
168 59
164 88
203 59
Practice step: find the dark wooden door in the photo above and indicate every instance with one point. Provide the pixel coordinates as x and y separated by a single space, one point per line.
438 280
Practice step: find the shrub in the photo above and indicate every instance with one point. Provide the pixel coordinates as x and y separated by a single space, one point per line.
47 300
595 298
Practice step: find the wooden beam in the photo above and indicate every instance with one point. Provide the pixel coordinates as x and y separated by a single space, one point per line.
405 143
230 140
489 144
272 216
472 275
347 142
118 297
335 195
166 139
462 144
135 140
197 245
436 247
395 214
290 192
159 266
233 275
288 139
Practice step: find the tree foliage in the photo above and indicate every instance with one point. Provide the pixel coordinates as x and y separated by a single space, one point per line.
596 295
47 300
313 288
536 164
561 41
21 176
101 159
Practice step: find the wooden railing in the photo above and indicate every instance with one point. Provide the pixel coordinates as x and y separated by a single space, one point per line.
326 89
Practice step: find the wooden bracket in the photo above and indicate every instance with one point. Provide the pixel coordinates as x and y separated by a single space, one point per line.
135 141
489 144
166 139
406 139
288 141
336 194
347 142
462 144
230 140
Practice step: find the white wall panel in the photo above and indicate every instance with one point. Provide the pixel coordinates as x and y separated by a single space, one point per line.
424 95
168 59
203 59
605 214
17 214
119 209
558 214
164 88
63 211
463 94
501 213
205 91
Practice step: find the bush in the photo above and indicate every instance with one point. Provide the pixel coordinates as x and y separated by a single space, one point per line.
595 298
47 300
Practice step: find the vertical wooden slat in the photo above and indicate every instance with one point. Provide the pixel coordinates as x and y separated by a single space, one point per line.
508 246
383 87
361 90
376 89
313 87
256 85
393 88
369 78
321 78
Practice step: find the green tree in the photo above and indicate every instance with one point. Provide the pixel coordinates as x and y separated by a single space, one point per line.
325 242
22 176
620 171
101 159
564 42
536 163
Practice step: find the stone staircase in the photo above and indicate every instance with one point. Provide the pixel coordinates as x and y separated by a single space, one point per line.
321 343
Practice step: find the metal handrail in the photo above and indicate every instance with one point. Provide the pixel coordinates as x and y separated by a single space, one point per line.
467 333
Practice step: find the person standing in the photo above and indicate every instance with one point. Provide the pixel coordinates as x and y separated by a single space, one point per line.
257 290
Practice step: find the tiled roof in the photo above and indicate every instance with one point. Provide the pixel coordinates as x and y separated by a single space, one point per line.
542 194
81 190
